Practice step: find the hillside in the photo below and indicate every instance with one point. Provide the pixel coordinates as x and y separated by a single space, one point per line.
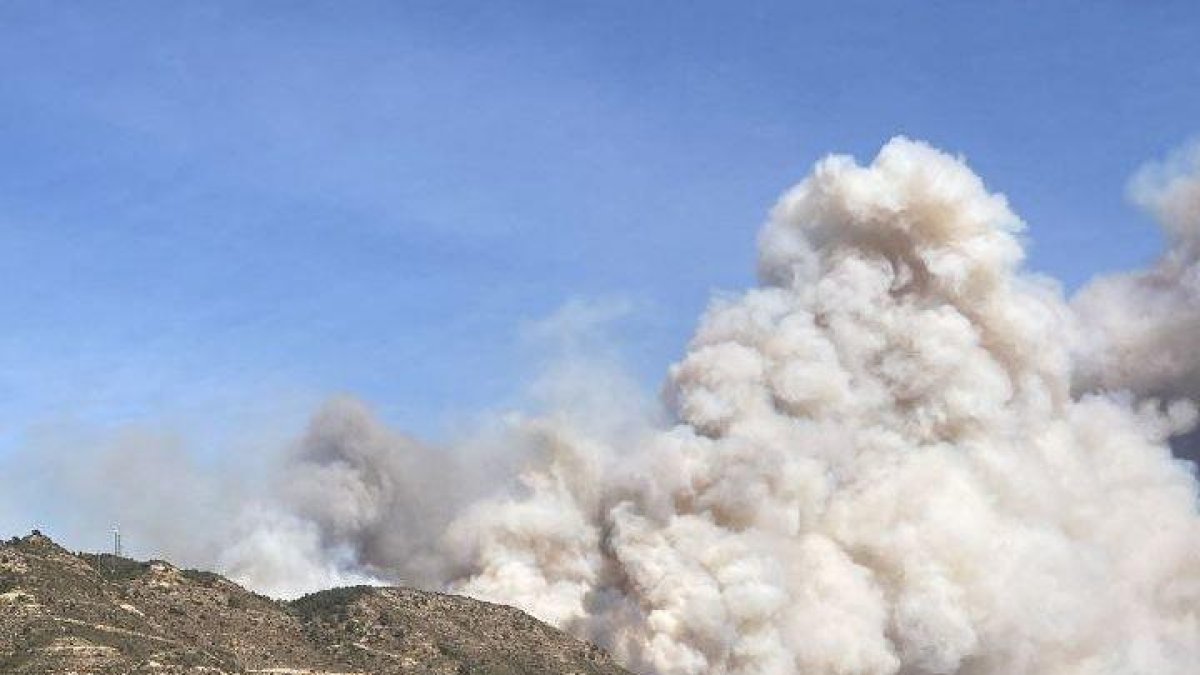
64 612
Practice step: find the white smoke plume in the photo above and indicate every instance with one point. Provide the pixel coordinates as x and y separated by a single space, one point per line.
878 467
879 461
899 455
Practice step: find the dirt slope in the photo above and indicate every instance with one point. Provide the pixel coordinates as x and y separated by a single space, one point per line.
63 612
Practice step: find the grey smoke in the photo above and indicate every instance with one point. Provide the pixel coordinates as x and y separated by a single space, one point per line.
355 502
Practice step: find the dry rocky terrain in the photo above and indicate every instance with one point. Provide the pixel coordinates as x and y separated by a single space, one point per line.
64 612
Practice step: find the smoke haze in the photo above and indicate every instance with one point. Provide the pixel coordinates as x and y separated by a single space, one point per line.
899 454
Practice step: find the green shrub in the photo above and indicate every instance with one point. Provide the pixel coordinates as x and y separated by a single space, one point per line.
202 577
329 604
115 568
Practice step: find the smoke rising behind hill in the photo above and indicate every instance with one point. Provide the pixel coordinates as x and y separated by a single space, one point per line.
900 453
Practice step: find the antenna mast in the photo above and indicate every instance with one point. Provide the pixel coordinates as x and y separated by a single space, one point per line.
117 542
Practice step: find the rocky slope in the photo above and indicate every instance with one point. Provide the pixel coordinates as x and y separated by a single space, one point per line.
63 612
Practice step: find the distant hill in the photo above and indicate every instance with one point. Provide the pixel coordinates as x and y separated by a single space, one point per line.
63 612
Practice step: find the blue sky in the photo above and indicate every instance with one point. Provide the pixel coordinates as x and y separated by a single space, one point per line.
213 215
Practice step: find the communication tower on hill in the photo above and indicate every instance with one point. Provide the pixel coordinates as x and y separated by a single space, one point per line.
117 542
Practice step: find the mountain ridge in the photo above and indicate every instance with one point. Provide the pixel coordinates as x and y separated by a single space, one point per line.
65 612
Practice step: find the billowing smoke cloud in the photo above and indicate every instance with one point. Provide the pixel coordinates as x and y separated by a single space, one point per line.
899 455
354 503
878 467
1141 327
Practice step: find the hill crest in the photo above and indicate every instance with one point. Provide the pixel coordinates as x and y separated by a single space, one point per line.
64 612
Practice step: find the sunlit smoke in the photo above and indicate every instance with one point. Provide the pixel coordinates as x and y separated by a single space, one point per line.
878 467
899 455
